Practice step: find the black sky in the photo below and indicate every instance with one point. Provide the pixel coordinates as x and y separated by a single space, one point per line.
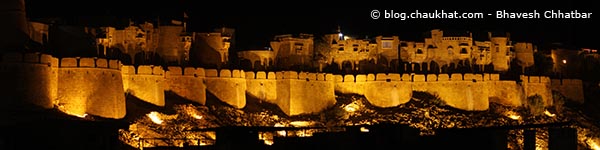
255 25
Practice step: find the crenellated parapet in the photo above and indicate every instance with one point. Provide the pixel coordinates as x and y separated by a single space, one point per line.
187 82
227 85
31 78
96 86
394 77
89 63
537 85
300 93
145 82
91 86
464 91
570 88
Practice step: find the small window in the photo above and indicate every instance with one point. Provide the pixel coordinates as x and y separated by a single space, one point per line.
356 49
497 49
463 51
298 47
386 45
341 49
419 51
450 50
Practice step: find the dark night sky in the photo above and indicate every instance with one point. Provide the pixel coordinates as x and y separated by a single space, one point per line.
255 26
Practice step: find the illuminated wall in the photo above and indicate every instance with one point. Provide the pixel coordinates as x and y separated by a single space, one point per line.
227 85
80 86
170 45
304 93
145 82
211 50
265 58
467 92
536 85
91 86
293 50
524 54
29 77
187 82
262 85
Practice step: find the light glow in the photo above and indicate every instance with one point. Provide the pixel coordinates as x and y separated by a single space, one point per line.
154 117
513 115
593 145
351 107
363 129
549 114
282 132
267 138
300 123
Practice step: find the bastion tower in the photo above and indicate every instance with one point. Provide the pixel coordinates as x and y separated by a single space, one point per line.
13 29
77 86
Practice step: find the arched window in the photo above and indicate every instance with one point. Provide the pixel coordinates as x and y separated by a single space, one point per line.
450 50
463 50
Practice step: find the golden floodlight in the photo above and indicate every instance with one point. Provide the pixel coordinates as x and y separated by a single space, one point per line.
154 117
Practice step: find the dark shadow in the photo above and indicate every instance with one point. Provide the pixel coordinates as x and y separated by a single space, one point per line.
255 105
137 108
39 128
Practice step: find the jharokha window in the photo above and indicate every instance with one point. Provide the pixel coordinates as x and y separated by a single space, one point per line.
298 47
386 45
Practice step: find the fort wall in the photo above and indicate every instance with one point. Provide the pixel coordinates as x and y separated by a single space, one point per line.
29 77
262 85
506 92
536 85
304 93
145 82
95 86
228 86
462 91
187 82
91 86
570 88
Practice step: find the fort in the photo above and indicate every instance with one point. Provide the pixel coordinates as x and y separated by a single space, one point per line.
81 78
96 86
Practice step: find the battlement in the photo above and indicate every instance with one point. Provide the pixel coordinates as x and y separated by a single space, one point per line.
142 70
79 62
420 77
566 81
570 88
35 58
185 71
224 73
260 75
293 75
535 79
